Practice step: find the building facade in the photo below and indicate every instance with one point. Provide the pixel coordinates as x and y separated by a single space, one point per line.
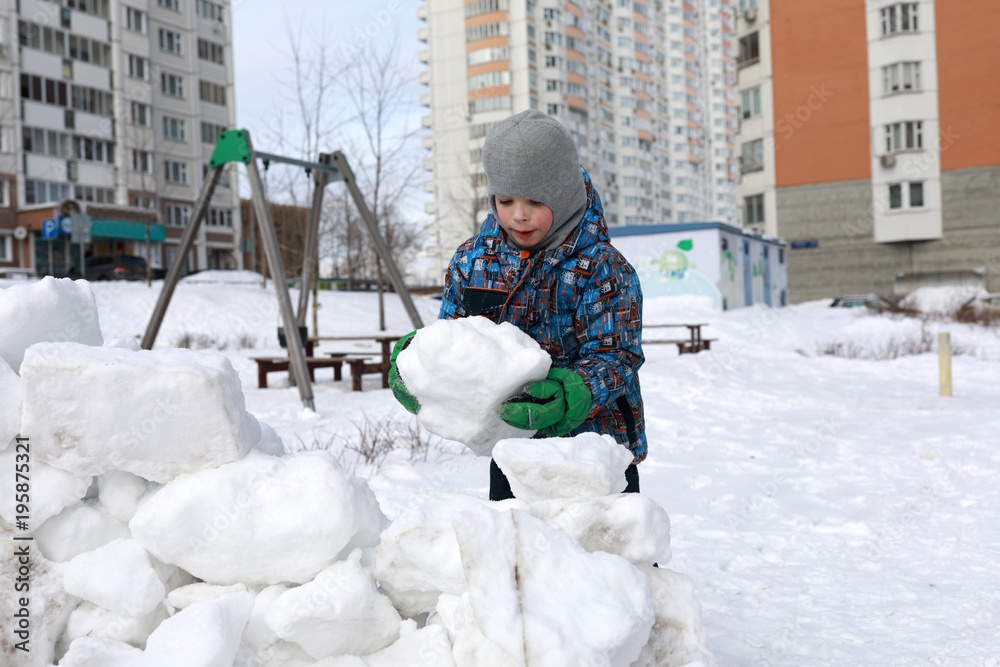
866 140
115 105
646 87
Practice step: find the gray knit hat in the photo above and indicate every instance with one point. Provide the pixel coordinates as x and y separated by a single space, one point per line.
533 156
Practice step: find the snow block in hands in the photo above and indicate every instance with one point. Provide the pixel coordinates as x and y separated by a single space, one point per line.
462 371
260 520
588 464
156 414
50 310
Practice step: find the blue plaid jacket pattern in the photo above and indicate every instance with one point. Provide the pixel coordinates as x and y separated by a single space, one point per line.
580 301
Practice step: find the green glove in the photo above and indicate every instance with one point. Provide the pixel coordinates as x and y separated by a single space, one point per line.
399 389
555 406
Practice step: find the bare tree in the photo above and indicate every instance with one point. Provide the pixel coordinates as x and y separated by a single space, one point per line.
387 157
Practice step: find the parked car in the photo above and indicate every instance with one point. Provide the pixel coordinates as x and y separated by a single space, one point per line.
115 267
861 301
983 304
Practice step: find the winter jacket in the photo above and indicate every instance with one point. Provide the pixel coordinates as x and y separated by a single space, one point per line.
580 301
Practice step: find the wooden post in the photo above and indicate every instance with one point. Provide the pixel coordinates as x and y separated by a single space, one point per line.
944 362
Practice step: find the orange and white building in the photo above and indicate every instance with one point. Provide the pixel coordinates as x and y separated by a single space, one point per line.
867 140
645 86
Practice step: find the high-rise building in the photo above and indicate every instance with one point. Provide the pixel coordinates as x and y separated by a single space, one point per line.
646 87
867 141
114 105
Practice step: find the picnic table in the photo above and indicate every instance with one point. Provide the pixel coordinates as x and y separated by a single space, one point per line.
360 362
692 344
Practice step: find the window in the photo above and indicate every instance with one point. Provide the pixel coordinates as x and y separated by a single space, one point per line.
6 249
42 192
43 90
553 110
170 4
485 6
901 77
210 133
487 55
485 30
749 50
906 195
222 217
489 79
135 20
175 172
177 216
751 103
172 85
142 161
138 68
753 207
899 18
99 195
141 114
174 128
208 10
170 41
211 51
906 136
753 156
91 100
212 92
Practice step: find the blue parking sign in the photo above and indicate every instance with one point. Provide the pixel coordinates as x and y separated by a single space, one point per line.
50 228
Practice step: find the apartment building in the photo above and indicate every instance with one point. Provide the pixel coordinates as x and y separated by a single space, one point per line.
867 141
112 108
646 87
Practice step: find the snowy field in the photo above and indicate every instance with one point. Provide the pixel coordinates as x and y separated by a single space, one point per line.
829 510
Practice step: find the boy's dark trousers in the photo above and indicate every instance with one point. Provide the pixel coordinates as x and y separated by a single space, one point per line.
500 487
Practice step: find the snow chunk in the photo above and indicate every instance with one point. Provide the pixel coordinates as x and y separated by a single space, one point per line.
48 606
418 558
461 371
52 490
10 404
339 612
119 493
153 413
94 652
185 596
588 464
629 525
426 646
50 310
206 634
530 584
260 645
77 529
89 620
678 637
260 520
116 576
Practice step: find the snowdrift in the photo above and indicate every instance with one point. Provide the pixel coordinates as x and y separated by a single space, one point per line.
194 546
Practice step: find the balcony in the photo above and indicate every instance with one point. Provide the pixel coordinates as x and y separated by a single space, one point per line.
423 34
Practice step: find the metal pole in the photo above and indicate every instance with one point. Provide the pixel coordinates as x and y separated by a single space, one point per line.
174 274
296 351
380 247
312 234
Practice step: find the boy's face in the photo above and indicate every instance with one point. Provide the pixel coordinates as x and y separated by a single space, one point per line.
525 220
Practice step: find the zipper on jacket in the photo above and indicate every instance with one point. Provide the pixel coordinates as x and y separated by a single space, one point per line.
526 260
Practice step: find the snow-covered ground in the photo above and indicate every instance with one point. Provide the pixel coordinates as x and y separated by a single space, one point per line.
829 510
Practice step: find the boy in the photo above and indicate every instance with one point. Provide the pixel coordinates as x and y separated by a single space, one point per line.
543 262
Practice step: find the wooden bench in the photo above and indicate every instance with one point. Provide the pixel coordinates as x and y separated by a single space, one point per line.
365 365
692 345
266 365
